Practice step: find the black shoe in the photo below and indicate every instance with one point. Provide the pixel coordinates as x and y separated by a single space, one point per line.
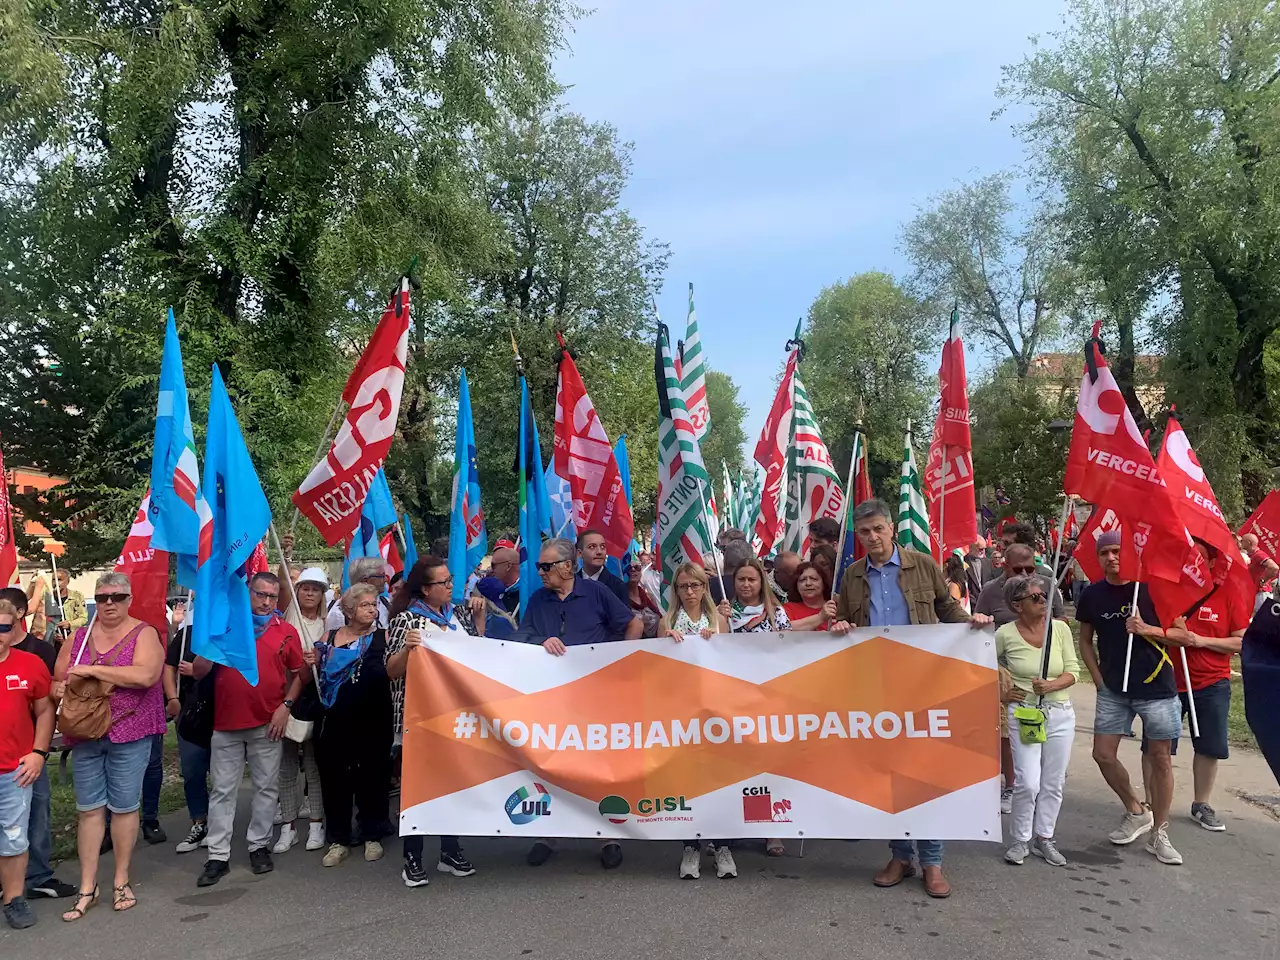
51 889
414 873
106 843
539 854
152 832
260 860
18 914
456 864
610 856
214 870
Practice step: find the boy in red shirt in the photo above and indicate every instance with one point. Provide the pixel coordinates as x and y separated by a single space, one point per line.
26 727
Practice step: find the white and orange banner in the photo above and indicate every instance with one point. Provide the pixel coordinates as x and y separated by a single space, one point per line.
887 732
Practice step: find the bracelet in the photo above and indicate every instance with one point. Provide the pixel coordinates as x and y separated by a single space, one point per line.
173 700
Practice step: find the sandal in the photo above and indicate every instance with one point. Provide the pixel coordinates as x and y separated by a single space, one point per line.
77 912
124 895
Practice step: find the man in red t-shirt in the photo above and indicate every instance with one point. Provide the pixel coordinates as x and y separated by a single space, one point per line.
1209 636
248 723
26 727
1262 567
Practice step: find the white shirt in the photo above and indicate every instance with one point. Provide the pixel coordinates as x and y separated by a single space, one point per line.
591 576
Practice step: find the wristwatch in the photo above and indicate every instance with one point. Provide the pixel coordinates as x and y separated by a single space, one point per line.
289 704
39 752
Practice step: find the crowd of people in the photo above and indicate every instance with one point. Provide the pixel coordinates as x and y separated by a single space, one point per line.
320 731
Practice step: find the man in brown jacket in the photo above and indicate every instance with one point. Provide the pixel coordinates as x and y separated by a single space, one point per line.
893 586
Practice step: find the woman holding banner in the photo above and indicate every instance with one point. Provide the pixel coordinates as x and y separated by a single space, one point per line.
423 610
690 609
754 609
353 748
813 610
1042 733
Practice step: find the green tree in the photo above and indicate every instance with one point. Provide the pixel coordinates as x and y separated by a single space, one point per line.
1006 276
864 360
726 438
268 169
1174 107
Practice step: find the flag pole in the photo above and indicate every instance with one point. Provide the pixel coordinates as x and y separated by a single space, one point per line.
1191 698
1047 643
62 613
844 521
706 517
1128 650
88 630
942 506
284 562
186 631
315 457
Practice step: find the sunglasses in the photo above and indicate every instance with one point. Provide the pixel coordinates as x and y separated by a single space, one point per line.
1033 597
546 567
1026 571
5 627
104 598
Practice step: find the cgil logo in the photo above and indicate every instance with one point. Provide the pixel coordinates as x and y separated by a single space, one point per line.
528 804
758 806
618 809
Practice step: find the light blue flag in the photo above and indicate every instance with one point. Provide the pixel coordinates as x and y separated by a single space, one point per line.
410 548
468 541
175 473
378 505
222 629
364 540
535 506
560 495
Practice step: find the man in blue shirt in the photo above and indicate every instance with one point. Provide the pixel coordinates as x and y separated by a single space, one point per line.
571 611
894 586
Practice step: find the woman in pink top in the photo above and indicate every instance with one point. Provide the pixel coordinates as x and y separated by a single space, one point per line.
120 650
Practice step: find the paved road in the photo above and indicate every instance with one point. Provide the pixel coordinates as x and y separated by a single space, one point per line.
1114 903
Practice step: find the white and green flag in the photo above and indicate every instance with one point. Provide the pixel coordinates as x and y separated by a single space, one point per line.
684 528
693 374
913 512
748 509
813 485
730 518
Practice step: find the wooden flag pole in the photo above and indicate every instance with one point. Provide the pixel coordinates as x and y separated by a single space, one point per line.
284 562
315 457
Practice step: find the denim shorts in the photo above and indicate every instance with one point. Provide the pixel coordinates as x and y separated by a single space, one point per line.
15 813
1213 706
109 774
1161 719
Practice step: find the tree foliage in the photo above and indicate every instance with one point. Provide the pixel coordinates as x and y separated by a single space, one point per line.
726 438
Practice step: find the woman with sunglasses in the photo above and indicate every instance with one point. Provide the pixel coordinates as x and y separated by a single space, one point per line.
1040 768
353 745
121 651
423 609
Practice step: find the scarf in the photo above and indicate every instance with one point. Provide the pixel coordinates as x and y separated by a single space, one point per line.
338 665
742 617
444 622
260 624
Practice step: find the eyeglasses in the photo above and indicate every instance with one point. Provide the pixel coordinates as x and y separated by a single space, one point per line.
688 587
1033 597
1026 571
546 567
102 599
263 595
439 583
376 578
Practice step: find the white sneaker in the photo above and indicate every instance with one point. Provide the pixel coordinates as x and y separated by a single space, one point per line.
315 835
725 867
1160 846
372 850
1047 850
304 811
288 837
336 853
690 863
1016 853
1132 827
1006 800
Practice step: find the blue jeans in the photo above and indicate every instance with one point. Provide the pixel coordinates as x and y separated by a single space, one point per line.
153 780
40 840
194 761
930 851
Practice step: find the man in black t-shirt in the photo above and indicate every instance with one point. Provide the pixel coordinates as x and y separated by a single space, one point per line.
192 758
1152 695
40 881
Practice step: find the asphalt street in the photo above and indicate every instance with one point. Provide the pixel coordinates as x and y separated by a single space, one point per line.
1109 902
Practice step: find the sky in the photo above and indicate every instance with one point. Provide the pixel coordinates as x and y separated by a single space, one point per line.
779 148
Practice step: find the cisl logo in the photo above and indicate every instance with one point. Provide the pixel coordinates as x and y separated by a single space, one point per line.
618 809
758 806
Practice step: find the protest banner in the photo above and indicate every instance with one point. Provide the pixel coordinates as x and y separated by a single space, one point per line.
887 732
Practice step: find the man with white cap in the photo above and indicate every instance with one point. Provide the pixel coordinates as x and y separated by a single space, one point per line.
304 611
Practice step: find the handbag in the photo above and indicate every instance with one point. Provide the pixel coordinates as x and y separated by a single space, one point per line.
195 719
1030 724
86 702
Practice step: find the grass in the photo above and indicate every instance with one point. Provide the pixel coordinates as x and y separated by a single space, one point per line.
62 791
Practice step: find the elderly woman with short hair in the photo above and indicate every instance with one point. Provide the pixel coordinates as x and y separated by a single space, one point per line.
1040 768
371 571
353 747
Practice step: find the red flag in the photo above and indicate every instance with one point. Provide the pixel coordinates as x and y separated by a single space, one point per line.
258 560
771 454
584 457
333 493
1264 523
1110 466
948 475
8 549
390 552
148 572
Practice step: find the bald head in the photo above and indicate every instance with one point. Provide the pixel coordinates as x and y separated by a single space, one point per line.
506 565
784 569
1249 543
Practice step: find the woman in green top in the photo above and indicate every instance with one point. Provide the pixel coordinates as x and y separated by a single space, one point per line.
1040 769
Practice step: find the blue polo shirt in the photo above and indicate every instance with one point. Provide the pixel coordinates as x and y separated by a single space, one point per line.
589 614
888 605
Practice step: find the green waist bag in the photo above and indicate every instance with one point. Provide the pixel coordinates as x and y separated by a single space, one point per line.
1030 724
